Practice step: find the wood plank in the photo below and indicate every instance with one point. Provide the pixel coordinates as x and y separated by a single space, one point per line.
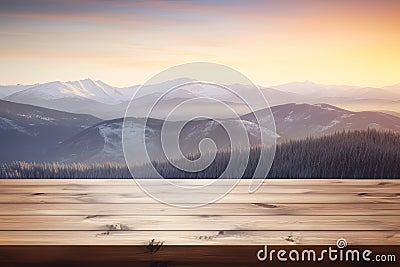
240 189
201 222
141 197
222 238
243 209
117 212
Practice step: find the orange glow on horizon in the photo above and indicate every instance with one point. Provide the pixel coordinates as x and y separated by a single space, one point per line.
334 42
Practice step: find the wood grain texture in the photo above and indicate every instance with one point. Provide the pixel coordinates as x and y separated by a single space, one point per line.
281 212
200 222
220 238
239 209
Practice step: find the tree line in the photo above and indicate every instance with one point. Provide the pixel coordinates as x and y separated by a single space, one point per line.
357 154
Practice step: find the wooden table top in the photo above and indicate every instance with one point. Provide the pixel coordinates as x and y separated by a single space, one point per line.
281 212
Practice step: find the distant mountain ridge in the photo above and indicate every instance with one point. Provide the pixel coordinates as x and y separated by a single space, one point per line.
294 121
107 102
315 90
87 88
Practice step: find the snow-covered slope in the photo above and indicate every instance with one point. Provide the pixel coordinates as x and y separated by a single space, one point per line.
86 96
6 90
28 132
102 100
25 128
301 120
103 142
107 102
89 89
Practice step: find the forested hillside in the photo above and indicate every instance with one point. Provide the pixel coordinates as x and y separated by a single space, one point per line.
357 154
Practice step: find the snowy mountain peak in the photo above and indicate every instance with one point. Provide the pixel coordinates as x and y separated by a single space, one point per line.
82 89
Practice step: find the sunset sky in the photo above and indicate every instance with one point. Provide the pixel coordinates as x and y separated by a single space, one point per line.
126 42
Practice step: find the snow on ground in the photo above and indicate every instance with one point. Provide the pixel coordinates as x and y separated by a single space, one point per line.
112 136
289 119
36 116
7 124
374 125
330 125
345 116
254 129
325 108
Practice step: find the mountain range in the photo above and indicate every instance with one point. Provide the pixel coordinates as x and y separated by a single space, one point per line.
107 102
51 135
81 121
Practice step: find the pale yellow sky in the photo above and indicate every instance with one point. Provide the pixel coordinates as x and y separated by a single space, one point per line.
126 42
